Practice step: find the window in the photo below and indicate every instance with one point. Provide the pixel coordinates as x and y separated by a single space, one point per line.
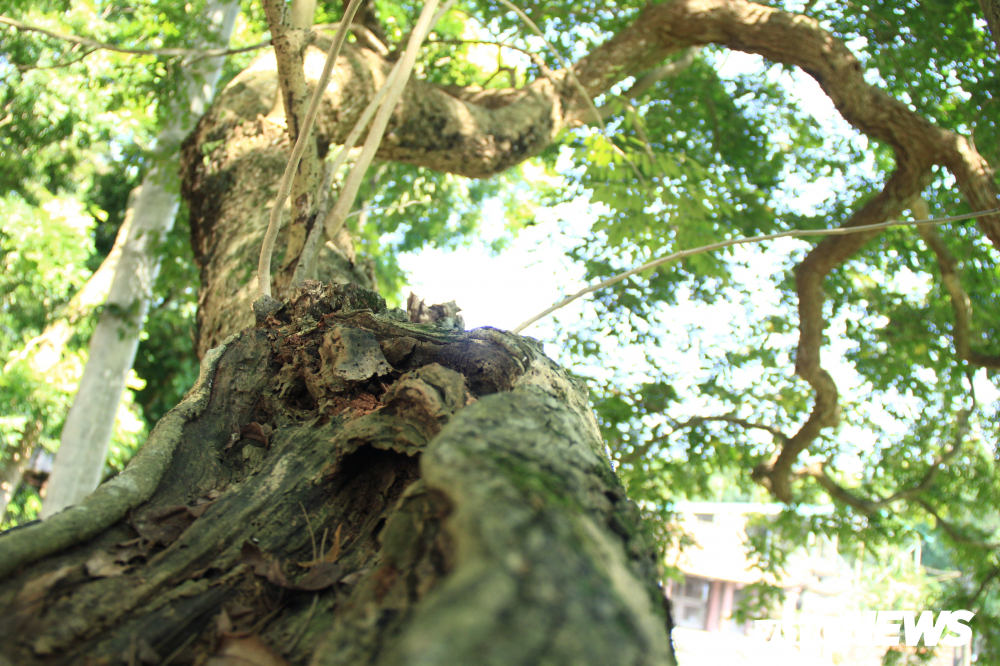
695 588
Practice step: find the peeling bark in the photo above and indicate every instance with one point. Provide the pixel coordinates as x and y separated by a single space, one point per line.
351 488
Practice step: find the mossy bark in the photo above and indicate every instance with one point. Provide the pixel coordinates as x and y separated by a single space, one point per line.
357 489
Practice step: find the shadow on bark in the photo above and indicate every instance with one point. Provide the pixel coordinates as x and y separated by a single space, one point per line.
346 487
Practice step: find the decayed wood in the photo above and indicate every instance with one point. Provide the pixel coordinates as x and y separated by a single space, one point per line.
357 489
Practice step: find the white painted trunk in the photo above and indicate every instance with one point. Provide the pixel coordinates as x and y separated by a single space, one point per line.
87 432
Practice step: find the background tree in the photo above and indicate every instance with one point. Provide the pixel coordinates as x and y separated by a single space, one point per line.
87 431
686 160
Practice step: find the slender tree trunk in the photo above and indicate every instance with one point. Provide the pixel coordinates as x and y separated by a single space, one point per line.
44 352
87 432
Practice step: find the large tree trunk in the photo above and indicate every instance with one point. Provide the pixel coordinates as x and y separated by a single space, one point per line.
341 486
345 487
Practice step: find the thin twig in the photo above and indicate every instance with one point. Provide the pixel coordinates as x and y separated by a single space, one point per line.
960 302
267 248
985 583
954 532
60 65
306 268
93 43
312 535
338 215
535 58
869 506
794 233
176 653
569 70
379 209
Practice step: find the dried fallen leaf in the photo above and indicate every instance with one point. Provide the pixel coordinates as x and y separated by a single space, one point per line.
163 526
263 566
256 432
35 590
245 651
321 576
103 564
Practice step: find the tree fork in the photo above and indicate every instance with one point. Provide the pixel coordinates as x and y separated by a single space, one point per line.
355 488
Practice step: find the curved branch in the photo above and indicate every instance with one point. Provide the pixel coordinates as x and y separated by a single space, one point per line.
960 302
98 45
663 29
810 274
694 422
534 57
870 506
954 532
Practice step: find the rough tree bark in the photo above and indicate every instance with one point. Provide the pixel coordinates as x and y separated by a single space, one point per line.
345 487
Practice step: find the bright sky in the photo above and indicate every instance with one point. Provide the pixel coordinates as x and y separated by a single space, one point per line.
531 275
